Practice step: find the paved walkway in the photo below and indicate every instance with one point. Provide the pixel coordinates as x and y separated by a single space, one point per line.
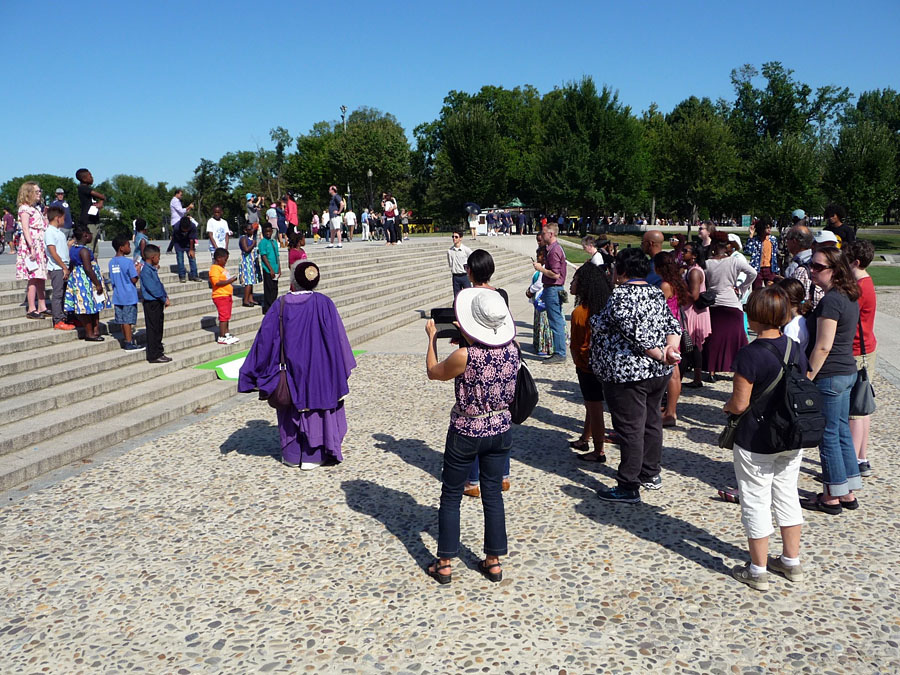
198 552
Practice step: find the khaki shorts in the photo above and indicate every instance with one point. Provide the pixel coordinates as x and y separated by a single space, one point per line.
870 368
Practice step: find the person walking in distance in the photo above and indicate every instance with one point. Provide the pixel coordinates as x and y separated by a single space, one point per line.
335 207
457 255
350 222
554 278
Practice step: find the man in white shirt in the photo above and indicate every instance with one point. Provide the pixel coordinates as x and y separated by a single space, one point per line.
350 222
457 257
217 231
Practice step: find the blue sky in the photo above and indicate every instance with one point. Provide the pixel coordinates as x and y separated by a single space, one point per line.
148 88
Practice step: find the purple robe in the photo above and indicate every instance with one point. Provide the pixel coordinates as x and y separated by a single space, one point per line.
313 429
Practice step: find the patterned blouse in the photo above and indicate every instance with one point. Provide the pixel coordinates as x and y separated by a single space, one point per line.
754 249
485 390
636 318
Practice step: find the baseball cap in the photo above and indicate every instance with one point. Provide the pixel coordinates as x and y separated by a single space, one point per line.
60 191
798 214
250 195
736 240
826 237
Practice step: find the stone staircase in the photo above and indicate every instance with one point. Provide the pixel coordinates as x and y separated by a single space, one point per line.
64 399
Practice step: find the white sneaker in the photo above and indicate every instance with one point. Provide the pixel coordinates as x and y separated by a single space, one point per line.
339 246
232 340
330 246
223 340
309 466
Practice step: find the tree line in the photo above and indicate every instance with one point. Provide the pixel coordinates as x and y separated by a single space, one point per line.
777 145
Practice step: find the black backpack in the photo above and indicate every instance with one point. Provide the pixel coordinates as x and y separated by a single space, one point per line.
796 420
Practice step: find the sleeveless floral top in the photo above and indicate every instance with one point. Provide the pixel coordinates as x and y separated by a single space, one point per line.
485 390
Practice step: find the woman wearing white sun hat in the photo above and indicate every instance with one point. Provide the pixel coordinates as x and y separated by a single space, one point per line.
484 369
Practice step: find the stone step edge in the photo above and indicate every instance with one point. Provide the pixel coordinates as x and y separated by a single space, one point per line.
25 465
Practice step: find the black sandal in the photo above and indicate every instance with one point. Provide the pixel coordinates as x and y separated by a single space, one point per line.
579 445
485 569
434 571
816 504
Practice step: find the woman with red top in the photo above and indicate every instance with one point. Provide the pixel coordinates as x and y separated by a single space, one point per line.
859 254
591 287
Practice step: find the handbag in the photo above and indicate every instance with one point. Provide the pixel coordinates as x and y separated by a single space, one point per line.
706 299
862 396
280 397
526 397
727 436
687 344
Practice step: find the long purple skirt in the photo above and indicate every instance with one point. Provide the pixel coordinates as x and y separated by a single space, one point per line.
726 339
312 435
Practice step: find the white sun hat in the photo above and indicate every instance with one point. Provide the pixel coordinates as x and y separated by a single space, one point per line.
484 317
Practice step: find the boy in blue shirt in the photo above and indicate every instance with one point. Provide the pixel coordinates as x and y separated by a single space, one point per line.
268 257
155 301
123 276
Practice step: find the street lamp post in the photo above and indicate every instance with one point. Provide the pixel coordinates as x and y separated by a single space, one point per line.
371 195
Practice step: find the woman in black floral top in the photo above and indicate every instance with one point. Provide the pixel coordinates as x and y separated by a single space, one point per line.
633 348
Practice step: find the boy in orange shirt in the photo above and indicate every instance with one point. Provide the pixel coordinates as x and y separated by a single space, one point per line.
222 294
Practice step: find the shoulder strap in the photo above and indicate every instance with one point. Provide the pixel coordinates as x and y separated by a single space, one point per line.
862 341
281 362
786 364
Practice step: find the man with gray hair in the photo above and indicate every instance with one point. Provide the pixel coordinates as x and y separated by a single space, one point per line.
799 242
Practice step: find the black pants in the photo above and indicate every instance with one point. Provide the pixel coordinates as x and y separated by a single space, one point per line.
460 281
636 416
390 231
154 315
270 291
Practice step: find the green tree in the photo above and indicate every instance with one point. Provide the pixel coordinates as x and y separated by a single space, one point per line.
861 171
465 166
132 197
372 141
308 171
9 191
698 149
209 188
593 156
786 174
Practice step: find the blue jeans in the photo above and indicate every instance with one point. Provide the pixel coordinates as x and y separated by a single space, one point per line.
459 452
179 257
840 470
473 472
555 317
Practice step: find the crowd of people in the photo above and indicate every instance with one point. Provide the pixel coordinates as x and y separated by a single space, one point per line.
647 318
644 320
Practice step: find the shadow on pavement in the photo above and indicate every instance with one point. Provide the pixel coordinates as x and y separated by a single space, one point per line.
402 516
412 451
258 438
651 524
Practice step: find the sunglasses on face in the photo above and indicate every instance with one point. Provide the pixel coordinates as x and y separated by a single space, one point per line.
819 267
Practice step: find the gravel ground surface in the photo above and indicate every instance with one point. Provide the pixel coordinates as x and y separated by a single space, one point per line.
200 552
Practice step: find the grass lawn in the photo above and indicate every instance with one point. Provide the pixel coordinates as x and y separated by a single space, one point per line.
883 275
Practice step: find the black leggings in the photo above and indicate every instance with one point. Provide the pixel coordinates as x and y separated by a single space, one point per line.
390 230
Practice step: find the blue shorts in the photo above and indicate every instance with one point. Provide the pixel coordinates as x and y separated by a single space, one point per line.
126 314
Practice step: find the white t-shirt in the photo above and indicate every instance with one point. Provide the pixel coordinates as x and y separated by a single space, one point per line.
219 230
797 331
350 218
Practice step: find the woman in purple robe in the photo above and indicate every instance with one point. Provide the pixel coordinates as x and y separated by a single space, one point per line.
314 426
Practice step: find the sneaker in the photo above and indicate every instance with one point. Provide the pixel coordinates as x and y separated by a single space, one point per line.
196 279
309 466
162 359
232 339
134 347
742 574
223 340
865 470
182 279
339 246
620 494
794 573
556 358
290 464
62 325
330 246
654 483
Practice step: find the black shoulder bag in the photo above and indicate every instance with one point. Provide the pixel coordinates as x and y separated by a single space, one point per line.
526 396
862 396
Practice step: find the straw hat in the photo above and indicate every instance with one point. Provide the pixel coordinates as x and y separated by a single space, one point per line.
484 317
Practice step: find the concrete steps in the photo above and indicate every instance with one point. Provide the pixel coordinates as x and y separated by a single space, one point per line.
64 399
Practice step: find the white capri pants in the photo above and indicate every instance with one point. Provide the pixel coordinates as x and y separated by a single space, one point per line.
767 483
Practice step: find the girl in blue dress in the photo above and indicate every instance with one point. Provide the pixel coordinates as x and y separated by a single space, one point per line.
249 264
85 295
